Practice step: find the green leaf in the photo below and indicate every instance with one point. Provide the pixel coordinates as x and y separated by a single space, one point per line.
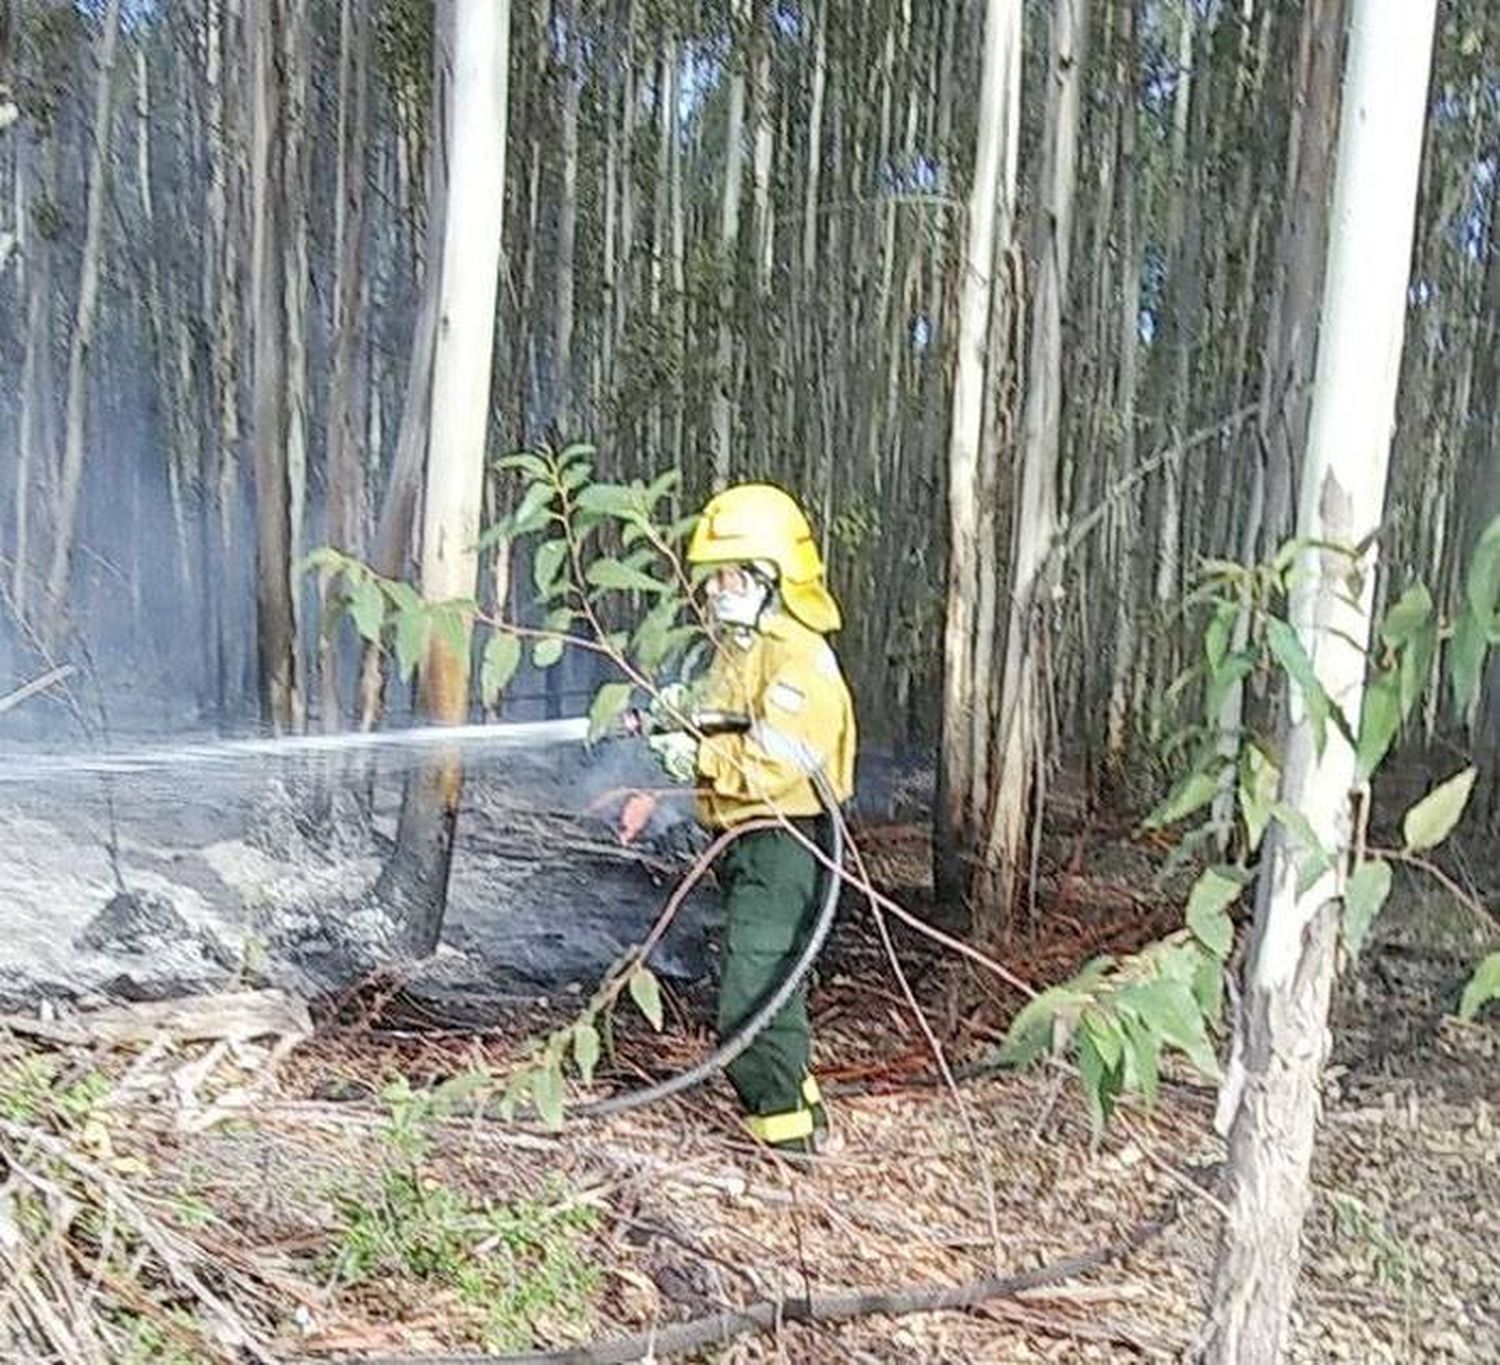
575 451
451 622
650 642
326 557
367 607
547 1093
545 653
1409 616
1260 781
1483 584
1106 1035
1298 824
1229 674
1194 792
1483 987
1037 1015
1417 655
586 1050
502 657
610 499
1432 819
610 574
1317 859
403 597
413 625
547 566
528 463
533 513
666 482
1094 1072
1207 911
1467 651
1216 636
1363 896
1170 1009
609 702
646 992
1379 719
1207 985
1287 647
1144 1056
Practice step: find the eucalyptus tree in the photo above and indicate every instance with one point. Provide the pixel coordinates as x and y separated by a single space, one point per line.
1270 1100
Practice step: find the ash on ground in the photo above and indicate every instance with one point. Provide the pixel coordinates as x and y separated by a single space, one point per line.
195 876
158 884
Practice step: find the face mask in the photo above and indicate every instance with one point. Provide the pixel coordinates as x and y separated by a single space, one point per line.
741 608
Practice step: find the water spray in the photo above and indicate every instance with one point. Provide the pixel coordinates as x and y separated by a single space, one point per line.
21 769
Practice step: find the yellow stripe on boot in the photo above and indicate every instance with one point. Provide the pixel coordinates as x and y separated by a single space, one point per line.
791 1125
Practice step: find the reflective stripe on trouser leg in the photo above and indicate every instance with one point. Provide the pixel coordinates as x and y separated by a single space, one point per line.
792 1125
770 884
795 1125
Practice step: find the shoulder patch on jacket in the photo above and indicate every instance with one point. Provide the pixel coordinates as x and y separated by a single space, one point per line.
828 662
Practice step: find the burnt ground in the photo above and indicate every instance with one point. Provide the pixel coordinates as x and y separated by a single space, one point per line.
666 1214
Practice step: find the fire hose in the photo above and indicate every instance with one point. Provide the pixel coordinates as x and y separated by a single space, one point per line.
706 724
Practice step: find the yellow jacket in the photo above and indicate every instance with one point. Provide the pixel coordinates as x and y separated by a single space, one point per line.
787 680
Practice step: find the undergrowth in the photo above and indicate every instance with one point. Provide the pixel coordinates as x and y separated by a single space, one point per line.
516 1266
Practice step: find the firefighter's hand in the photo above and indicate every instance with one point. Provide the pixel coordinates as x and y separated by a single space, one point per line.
677 753
635 815
671 706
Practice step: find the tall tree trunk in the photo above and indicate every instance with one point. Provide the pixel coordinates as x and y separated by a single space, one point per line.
1021 719
70 481
296 169
276 628
395 526
1176 352
35 453
345 482
1270 1100
966 693
729 236
1122 519
414 883
561 387
1292 325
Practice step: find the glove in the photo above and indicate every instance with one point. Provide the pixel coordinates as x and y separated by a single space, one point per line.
671 706
677 752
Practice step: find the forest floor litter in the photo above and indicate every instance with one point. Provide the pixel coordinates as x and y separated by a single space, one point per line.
297 1198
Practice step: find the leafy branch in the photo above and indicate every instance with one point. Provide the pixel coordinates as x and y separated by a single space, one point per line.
1116 1017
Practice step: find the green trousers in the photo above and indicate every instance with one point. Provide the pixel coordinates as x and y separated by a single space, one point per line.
771 898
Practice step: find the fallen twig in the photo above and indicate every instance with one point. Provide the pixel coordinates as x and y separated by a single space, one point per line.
716 1329
229 1329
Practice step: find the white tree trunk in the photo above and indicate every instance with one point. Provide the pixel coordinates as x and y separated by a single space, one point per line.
416 879
1270 1099
345 484
567 232
1020 715
276 629
815 145
36 433
71 478
991 197
729 236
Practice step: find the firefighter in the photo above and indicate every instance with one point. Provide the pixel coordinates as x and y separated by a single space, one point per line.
771 613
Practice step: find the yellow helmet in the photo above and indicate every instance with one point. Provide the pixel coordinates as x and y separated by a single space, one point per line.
758 521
